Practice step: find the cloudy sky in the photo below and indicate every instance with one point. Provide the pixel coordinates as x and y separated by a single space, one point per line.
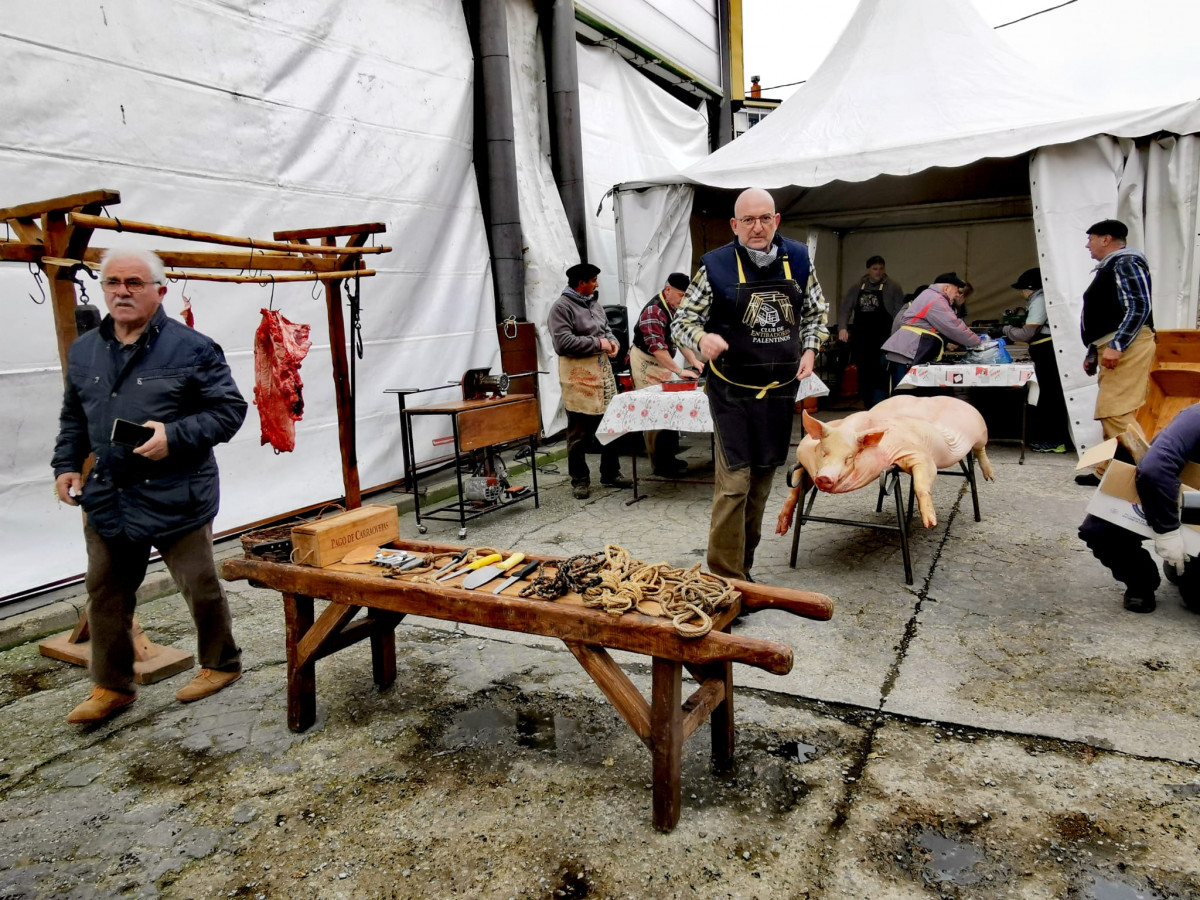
1148 46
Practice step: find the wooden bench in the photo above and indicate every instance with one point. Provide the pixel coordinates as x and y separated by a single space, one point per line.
663 723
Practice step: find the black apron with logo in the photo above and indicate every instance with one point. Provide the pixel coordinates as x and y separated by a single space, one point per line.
752 391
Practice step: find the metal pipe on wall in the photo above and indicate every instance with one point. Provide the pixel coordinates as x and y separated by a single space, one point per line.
566 139
503 207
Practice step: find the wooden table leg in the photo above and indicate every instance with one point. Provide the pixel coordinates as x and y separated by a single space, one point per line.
666 740
383 648
301 679
721 720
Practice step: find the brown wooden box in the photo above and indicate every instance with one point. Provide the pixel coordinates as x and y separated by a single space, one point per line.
325 541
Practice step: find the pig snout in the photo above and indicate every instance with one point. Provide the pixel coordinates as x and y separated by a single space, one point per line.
827 478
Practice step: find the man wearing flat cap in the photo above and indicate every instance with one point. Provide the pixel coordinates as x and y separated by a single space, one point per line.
1117 327
585 343
927 323
1048 430
652 361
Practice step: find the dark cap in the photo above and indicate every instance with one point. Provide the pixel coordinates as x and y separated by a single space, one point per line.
949 278
1110 227
581 272
679 281
1030 280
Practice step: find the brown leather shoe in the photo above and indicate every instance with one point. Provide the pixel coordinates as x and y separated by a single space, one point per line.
207 683
99 706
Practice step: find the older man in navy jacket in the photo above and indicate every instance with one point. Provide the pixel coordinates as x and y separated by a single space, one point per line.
142 367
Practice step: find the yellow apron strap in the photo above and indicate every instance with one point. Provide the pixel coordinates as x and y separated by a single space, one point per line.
762 390
917 330
787 270
1049 337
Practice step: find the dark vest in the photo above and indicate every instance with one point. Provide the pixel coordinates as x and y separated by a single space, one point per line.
639 339
1103 311
721 267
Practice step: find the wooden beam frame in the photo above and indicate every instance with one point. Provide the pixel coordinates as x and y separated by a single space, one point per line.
55 235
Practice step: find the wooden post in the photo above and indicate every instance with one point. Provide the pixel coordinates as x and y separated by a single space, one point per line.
666 740
301 677
383 647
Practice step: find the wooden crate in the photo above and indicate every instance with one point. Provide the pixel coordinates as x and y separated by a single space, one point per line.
1174 379
326 541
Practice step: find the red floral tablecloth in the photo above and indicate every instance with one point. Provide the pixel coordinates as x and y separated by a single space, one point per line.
653 409
1007 375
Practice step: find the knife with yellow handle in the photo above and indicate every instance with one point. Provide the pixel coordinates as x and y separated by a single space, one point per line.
480 577
470 567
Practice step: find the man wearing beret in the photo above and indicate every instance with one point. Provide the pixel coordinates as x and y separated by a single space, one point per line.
584 342
1117 327
652 361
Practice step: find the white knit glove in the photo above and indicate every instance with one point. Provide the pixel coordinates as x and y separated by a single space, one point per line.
1170 547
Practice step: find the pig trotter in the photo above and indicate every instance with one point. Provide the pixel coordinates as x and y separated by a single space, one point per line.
985 464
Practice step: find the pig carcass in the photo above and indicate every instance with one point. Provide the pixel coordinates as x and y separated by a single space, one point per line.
918 434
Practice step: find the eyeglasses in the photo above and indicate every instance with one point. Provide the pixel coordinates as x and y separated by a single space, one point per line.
764 221
133 285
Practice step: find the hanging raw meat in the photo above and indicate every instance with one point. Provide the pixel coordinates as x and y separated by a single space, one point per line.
279 348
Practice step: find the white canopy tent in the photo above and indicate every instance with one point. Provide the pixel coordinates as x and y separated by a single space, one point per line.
956 154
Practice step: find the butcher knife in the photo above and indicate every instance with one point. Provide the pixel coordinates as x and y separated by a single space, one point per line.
482 576
513 579
470 567
454 562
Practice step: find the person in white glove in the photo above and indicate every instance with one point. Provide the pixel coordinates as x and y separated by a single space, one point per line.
1169 546
1158 488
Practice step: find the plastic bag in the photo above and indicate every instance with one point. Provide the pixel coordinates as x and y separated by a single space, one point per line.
988 353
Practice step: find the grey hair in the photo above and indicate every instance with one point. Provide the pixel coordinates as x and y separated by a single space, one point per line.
148 258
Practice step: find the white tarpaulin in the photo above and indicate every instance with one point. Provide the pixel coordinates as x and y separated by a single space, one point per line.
857 119
1156 188
246 119
631 129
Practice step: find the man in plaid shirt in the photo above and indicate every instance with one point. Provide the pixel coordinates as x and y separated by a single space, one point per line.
1117 327
756 313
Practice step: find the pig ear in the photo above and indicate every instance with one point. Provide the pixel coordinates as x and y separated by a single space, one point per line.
812 426
871 438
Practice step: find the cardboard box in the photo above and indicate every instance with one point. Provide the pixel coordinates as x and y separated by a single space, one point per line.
325 541
1116 499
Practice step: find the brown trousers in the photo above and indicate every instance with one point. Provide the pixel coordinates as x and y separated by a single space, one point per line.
116 569
735 528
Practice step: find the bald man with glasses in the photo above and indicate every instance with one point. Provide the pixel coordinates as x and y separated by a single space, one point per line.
755 311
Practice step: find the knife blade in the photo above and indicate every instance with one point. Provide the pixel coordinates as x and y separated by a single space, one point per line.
482 576
454 562
513 579
471 567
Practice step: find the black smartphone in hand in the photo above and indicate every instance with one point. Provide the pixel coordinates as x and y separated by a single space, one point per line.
130 434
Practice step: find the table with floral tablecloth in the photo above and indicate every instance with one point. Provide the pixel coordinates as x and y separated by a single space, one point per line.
653 409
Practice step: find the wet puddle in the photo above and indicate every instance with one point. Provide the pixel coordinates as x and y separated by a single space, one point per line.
1103 889
950 861
491 727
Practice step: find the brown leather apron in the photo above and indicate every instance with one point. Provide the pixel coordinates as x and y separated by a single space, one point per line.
587 383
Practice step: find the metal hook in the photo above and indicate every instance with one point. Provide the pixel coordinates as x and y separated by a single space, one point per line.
75 270
37 277
271 302
310 266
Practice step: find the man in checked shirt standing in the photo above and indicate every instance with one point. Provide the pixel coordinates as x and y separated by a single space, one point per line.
1117 327
755 311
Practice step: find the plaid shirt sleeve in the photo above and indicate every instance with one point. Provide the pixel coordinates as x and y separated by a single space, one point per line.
653 324
1133 290
814 315
692 315
688 325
